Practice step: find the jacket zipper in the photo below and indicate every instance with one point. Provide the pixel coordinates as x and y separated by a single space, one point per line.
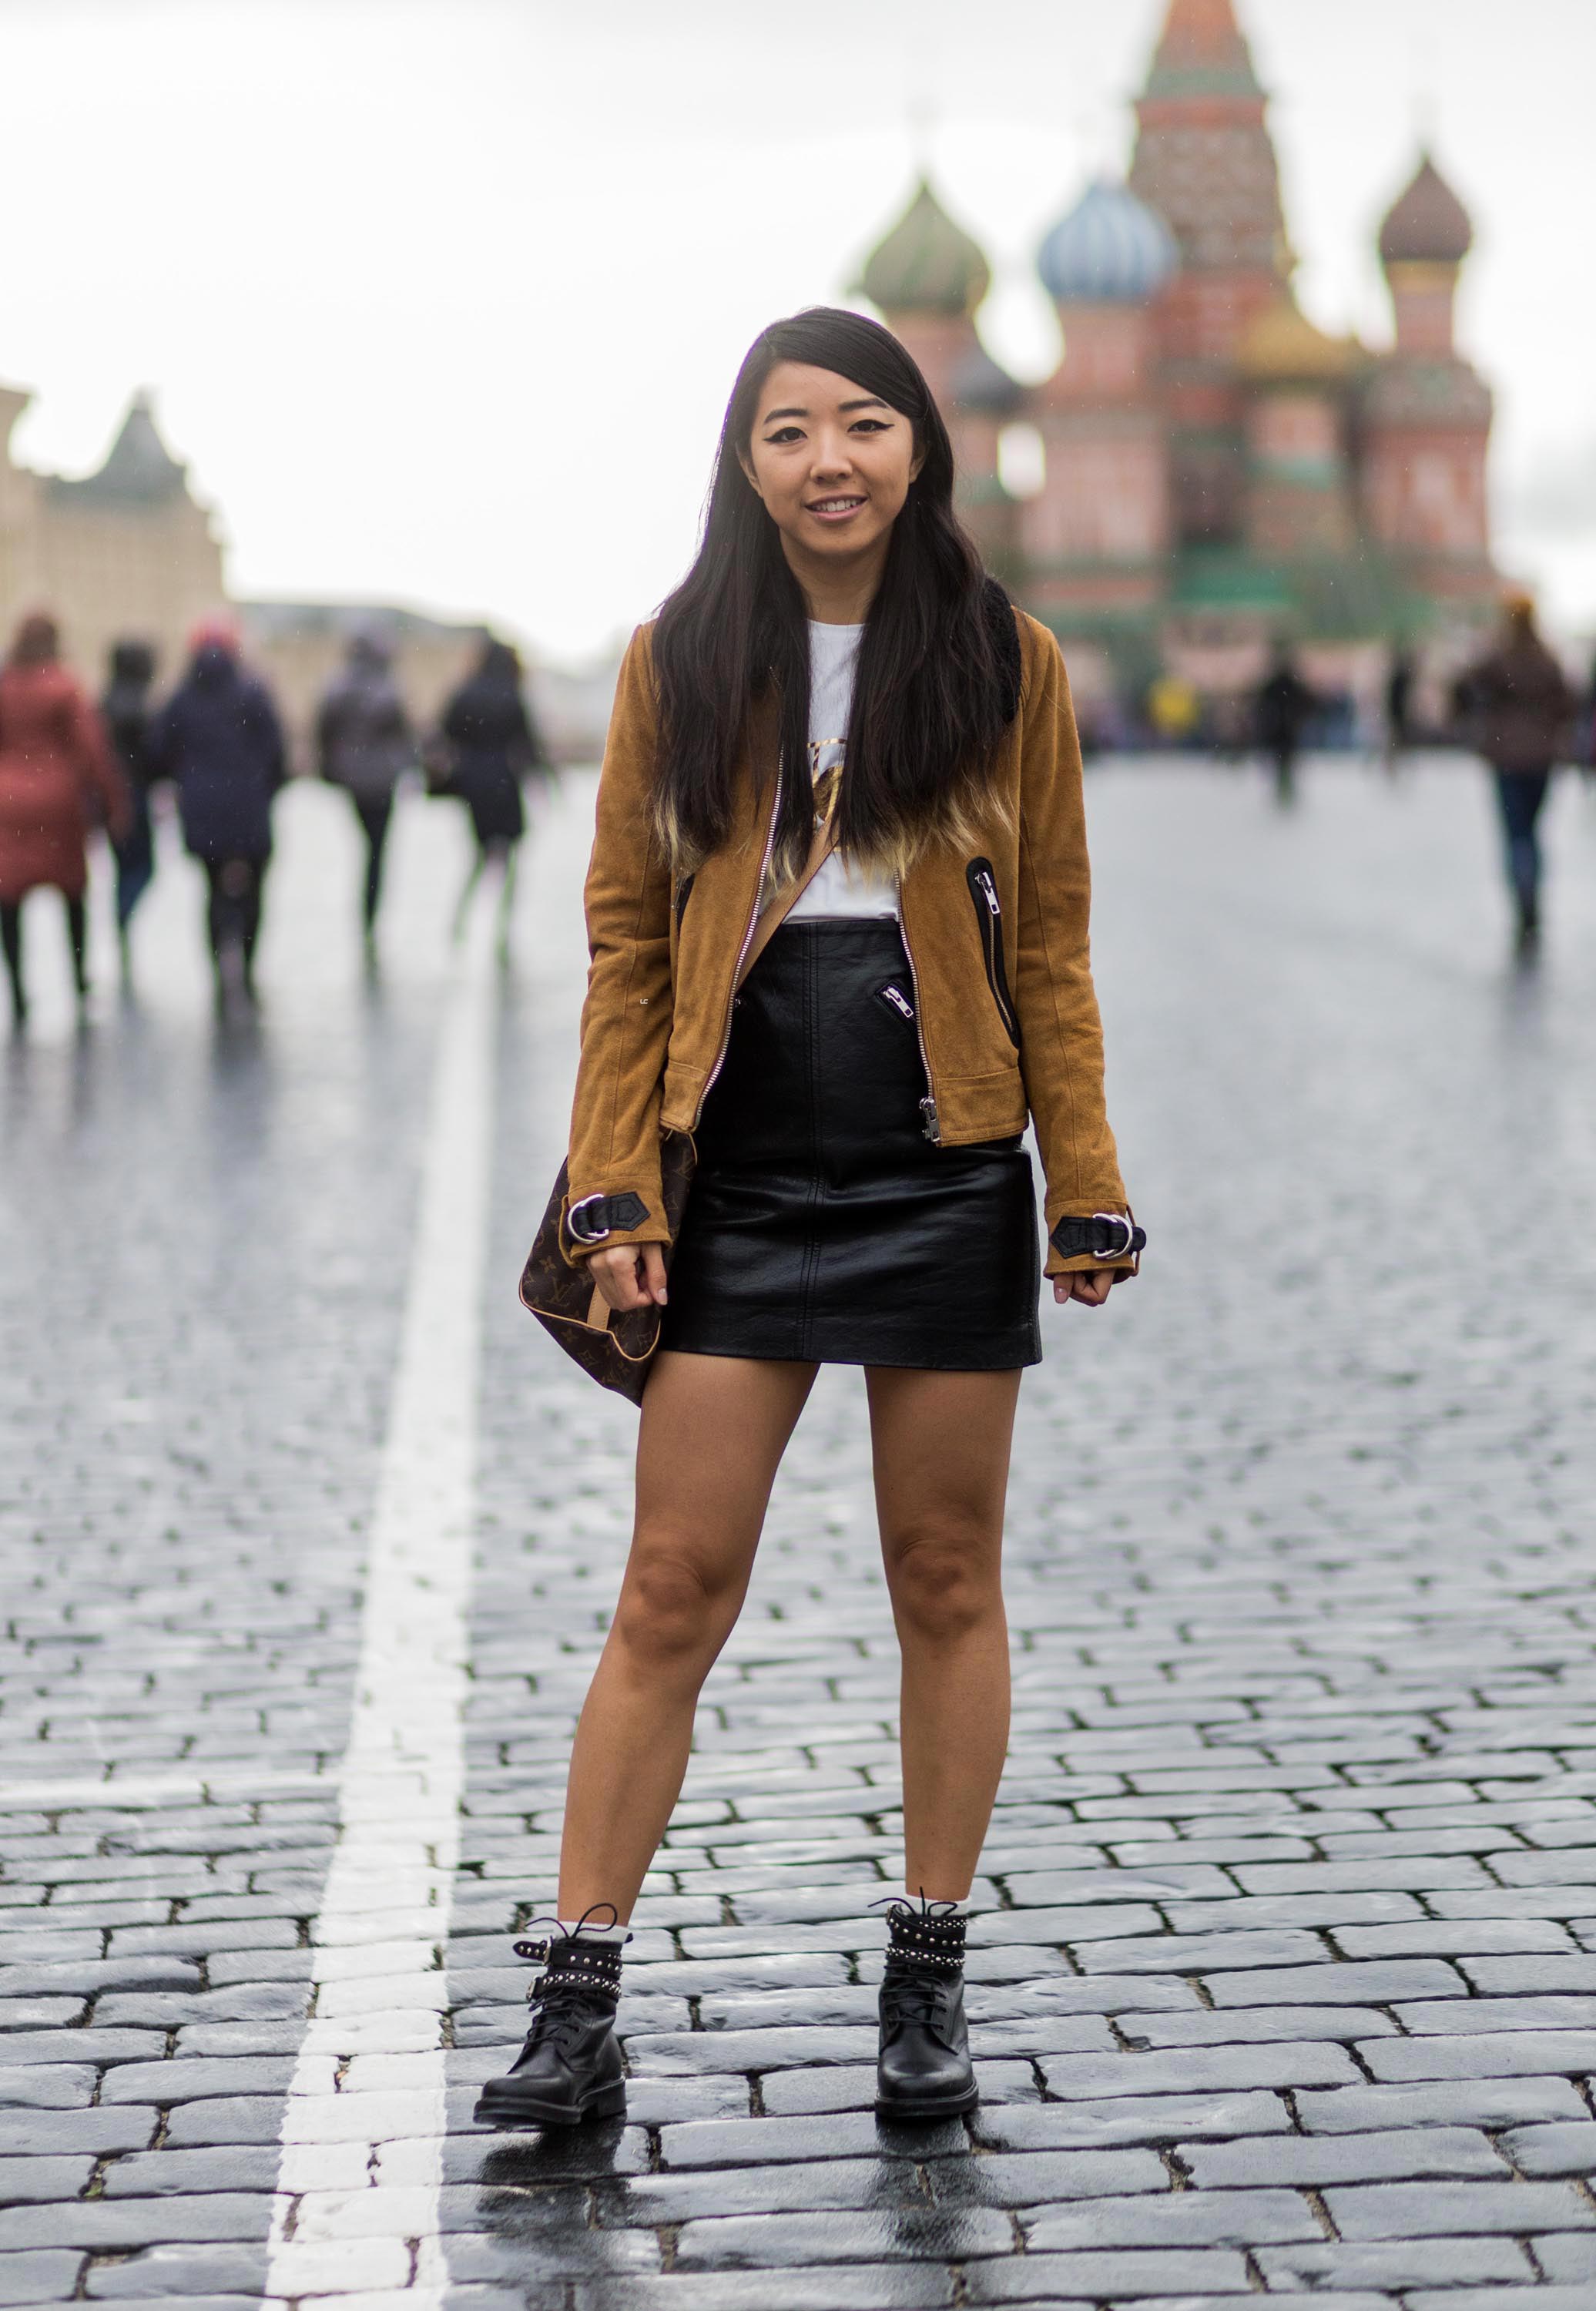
929 1125
989 916
731 992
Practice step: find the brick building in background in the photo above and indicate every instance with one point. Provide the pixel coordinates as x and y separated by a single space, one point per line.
1218 472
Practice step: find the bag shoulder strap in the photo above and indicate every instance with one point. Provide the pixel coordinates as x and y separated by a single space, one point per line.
775 914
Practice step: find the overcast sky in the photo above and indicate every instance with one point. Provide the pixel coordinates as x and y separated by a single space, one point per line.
442 297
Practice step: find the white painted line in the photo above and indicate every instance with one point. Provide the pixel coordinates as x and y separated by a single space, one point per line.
370 2072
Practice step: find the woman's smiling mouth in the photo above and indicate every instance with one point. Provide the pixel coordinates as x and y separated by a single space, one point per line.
834 508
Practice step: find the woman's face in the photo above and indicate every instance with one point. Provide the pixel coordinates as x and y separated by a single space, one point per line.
831 462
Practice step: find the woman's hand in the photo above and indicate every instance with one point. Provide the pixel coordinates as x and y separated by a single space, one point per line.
1089 1285
630 1276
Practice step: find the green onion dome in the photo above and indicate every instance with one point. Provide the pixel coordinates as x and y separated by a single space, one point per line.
926 263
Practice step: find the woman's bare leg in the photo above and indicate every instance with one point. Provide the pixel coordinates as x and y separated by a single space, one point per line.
940 1442
714 1429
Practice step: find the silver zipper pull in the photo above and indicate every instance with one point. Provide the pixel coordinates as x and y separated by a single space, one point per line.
990 889
928 1109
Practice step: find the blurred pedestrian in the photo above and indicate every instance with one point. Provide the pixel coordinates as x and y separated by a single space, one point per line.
1282 707
364 744
124 708
219 739
493 743
1520 709
57 775
1399 706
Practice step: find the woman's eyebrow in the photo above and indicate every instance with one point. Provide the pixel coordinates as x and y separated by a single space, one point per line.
866 401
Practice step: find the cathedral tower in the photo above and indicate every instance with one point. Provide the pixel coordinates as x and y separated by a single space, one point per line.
928 278
1426 415
1097 535
1204 160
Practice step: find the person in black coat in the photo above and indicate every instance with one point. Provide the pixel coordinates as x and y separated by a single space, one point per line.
1282 706
125 709
492 743
219 739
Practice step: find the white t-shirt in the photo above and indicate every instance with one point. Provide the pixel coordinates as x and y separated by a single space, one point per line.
840 888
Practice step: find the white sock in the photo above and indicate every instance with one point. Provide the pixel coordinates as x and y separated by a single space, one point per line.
596 1934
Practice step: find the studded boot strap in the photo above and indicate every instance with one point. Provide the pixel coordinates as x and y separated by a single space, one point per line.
573 1959
929 1939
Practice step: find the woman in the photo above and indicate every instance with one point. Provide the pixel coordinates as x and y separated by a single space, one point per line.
493 742
218 738
364 744
124 708
1522 709
56 773
836 656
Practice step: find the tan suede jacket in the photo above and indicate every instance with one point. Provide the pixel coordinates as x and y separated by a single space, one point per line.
996 940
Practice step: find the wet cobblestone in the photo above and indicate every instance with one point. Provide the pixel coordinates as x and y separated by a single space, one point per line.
1283 1978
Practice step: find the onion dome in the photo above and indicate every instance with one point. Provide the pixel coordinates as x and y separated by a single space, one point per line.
978 383
1281 347
1427 224
926 263
1111 248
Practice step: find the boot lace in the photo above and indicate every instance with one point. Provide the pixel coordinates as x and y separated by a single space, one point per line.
911 1998
562 2009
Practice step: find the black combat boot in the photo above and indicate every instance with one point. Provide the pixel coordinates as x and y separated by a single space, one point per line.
570 2068
923 2068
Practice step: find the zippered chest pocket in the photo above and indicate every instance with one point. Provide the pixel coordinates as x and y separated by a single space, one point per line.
988 918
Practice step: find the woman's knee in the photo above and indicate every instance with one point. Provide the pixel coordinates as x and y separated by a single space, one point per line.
944 1581
670 1615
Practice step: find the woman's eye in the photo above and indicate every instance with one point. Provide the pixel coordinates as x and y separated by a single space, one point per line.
869 426
780 440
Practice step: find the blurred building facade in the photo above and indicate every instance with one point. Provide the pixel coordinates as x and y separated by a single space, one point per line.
129 552
1218 472
126 551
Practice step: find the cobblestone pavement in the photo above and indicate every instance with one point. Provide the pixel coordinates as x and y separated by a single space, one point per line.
1284 1975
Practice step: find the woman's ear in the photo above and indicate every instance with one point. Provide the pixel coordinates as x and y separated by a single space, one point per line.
746 463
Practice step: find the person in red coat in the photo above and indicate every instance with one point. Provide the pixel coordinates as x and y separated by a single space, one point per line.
57 773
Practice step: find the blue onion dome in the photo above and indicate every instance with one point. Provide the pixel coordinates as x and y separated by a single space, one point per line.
927 264
978 383
1426 225
1111 250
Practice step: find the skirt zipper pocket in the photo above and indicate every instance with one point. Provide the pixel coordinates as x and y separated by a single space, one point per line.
989 917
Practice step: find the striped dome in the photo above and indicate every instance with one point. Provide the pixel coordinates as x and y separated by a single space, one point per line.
1111 248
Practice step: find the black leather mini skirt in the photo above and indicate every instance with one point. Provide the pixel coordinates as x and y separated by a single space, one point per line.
822 1226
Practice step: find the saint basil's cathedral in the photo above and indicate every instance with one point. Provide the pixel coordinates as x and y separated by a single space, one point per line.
1218 472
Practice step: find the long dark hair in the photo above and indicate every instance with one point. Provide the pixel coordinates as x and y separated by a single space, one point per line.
937 671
